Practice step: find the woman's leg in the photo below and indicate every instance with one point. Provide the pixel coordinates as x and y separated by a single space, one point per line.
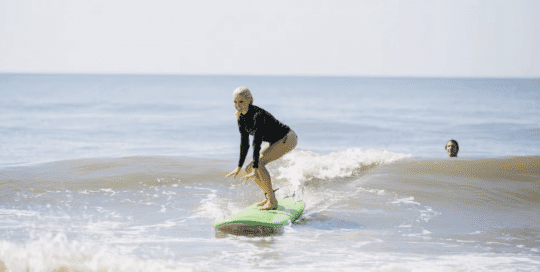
269 154
249 169
264 181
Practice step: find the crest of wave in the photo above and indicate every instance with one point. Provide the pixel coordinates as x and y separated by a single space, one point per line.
302 165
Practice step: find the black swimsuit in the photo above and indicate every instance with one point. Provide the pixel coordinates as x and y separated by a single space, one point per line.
263 126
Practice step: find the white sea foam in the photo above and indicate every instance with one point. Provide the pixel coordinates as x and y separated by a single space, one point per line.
213 207
408 200
17 213
57 253
302 165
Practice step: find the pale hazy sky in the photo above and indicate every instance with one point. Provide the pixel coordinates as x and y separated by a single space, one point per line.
450 38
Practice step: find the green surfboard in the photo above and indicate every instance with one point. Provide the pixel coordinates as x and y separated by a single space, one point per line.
251 220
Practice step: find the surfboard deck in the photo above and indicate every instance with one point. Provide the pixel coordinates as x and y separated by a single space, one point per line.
251 218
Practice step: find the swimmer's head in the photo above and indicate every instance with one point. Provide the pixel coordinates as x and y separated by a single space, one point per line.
242 98
452 148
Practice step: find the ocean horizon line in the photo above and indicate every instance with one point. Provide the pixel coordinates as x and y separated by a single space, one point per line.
266 75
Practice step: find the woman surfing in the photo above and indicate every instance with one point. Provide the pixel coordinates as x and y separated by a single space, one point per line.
279 138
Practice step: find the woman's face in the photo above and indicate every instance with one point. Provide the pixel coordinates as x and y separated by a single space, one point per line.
241 103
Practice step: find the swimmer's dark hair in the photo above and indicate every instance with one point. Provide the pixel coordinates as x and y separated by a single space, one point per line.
454 142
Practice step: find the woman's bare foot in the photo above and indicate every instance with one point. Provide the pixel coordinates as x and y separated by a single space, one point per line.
262 202
272 204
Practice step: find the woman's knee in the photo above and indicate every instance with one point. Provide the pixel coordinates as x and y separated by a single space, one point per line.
293 140
263 162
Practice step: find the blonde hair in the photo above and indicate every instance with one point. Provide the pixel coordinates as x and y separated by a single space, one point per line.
244 92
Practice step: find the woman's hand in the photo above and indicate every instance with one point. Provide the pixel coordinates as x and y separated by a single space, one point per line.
234 173
252 175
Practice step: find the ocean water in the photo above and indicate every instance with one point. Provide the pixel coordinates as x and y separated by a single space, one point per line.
126 173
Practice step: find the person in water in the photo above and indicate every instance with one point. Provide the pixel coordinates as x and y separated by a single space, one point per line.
452 148
279 138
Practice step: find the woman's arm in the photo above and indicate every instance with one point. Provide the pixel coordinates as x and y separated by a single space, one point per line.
260 122
257 142
244 148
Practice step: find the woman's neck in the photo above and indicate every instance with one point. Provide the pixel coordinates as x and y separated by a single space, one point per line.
247 110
